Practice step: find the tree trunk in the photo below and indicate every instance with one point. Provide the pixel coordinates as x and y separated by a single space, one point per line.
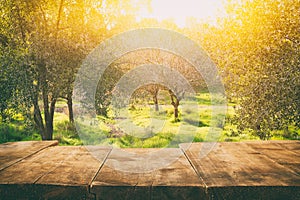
47 134
176 113
37 116
50 128
156 102
49 116
70 108
175 102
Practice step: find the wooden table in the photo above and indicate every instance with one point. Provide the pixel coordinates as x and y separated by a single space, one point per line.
246 170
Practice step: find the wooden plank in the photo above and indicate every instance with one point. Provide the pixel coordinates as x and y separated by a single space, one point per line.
285 153
177 180
52 173
234 170
249 170
290 145
13 152
79 166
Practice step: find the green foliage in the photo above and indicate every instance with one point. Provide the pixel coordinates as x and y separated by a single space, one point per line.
13 72
17 131
257 49
106 84
274 101
65 133
42 45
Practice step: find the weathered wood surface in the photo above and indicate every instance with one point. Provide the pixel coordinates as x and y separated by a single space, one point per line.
248 170
175 180
13 152
56 172
285 153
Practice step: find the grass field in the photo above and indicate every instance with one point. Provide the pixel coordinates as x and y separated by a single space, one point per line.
143 126
158 129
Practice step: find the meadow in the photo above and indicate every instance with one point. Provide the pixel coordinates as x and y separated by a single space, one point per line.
153 129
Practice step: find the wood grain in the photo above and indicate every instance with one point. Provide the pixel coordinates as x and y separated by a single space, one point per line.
13 152
177 180
69 170
236 170
284 153
246 170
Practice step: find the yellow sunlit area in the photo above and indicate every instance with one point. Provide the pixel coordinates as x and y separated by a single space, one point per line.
242 56
181 11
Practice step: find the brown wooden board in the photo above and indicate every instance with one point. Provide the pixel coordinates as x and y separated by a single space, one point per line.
249 170
13 152
176 180
69 170
290 145
237 171
78 166
281 152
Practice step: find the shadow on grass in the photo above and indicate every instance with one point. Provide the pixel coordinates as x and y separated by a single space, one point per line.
194 122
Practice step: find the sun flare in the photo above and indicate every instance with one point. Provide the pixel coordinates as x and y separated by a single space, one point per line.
180 11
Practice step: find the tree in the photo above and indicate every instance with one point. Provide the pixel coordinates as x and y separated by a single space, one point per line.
153 89
175 101
36 29
105 88
155 57
45 42
15 75
7 82
257 49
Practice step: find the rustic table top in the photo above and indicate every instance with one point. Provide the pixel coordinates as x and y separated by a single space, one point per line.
244 170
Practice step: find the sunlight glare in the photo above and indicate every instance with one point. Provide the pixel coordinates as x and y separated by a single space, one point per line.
180 11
